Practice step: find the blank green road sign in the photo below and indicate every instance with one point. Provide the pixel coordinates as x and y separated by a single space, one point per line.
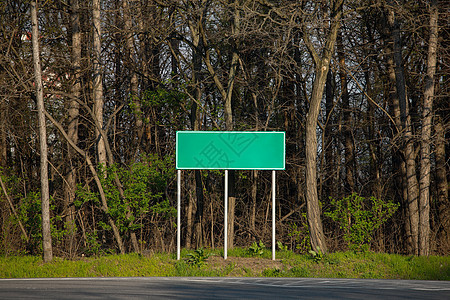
238 150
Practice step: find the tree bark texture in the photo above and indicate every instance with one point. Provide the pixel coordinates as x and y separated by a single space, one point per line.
3 148
407 135
442 184
329 180
72 127
98 79
399 165
45 195
348 138
130 54
427 117
322 65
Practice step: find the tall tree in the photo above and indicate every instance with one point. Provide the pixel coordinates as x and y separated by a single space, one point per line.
45 195
98 79
229 124
196 121
130 59
329 181
442 184
348 137
322 64
72 125
3 148
427 116
134 93
412 187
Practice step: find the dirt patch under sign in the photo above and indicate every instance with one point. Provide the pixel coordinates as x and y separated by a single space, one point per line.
241 266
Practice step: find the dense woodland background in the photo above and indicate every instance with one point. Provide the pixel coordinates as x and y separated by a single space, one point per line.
361 89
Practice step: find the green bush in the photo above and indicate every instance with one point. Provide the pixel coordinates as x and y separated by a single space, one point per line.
143 182
360 217
197 258
301 235
317 256
256 249
282 247
30 214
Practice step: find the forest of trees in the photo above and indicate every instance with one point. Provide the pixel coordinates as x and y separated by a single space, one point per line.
92 94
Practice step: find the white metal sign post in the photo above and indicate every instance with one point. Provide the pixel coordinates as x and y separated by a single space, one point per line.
273 214
225 221
178 213
229 150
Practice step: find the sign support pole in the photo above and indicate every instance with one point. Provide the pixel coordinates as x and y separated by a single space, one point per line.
178 214
225 228
273 214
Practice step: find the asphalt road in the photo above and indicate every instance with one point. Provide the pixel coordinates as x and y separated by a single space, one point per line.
221 288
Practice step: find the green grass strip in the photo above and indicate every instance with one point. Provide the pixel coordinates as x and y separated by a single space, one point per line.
334 265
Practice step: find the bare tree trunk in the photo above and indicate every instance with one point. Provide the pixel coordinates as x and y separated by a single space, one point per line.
348 138
254 200
255 173
194 231
329 174
72 127
133 93
3 148
425 162
128 22
98 75
45 196
375 172
442 184
231 207
198 185
322 65
190 212
198 219
98 116
230 126
407 140
399 165
143 58
196 121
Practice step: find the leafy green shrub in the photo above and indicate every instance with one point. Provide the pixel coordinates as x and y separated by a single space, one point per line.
359 218
301 235
257 249
282 247
170 103
29 213
197 258
143 182
317 256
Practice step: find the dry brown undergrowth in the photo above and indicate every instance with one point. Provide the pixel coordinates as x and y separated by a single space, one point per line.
244 265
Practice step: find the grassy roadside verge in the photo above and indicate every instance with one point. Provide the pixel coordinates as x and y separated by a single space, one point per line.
240 263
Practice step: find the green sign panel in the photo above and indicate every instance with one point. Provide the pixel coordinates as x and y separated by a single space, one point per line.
238 150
